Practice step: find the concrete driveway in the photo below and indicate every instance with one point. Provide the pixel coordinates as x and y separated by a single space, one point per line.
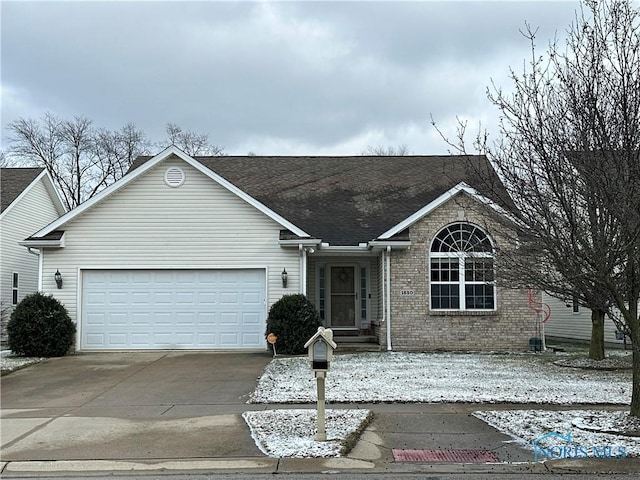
131 406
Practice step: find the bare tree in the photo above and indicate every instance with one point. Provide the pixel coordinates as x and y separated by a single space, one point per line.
391 151
118 149
80 159
192 143
83 159
568 155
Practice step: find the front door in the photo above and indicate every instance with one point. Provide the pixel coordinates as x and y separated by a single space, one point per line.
343 297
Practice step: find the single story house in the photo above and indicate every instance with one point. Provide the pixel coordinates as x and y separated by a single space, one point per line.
190 252
28 202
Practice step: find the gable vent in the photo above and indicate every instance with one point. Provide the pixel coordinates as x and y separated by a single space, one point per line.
174 177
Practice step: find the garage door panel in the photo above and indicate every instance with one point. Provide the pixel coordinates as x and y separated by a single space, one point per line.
98 319
141 320
166 309
251 319
229 340
251 337
251 298
229 298
206 319
95 339
117 340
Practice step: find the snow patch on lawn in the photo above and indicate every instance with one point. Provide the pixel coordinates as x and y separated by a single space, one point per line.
588 428
290 433
441 377
10 362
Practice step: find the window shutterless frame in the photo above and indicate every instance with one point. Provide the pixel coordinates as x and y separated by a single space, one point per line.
15 284
461 270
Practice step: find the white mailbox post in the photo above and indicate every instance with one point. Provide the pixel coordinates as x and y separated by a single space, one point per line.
320 348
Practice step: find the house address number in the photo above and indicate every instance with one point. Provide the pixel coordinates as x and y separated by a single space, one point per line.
407 293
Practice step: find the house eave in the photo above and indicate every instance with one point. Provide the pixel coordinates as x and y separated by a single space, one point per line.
305 242
55 239
40 243
378 245
343 250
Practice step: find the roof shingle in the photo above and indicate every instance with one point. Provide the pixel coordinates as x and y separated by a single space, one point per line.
13 181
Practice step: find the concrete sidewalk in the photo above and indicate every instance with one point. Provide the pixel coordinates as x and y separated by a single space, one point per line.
181 411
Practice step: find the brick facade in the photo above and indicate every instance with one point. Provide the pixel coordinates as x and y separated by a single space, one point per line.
415 327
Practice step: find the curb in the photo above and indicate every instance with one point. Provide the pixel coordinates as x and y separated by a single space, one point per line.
315 465
266 465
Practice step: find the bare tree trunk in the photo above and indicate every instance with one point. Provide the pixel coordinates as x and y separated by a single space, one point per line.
635 389
596 348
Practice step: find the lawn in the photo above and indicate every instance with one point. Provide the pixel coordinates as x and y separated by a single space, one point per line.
485 379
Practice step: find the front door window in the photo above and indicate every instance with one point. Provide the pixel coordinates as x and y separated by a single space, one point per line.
343 297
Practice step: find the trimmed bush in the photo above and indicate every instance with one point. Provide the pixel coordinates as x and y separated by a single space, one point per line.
294 320
40 326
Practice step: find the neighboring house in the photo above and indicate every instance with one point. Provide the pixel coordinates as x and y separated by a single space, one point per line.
190 253
28 202
570 321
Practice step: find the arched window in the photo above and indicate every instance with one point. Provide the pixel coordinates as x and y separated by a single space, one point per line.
461 269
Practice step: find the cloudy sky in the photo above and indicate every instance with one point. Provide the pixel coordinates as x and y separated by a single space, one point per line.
273 78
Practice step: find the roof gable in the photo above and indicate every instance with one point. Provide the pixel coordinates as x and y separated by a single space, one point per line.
15 183
149 163
345 200
431 206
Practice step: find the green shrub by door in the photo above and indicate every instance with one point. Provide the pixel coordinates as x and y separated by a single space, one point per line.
294 320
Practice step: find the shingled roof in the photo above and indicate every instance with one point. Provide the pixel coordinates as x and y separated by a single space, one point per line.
344 200
13 181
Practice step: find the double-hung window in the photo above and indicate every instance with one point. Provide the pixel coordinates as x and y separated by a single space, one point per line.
461 269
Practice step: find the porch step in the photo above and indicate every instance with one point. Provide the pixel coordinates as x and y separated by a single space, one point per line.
355 339
358 348
364 343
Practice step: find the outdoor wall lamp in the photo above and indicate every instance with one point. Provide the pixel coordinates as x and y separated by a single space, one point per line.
284 278
58 277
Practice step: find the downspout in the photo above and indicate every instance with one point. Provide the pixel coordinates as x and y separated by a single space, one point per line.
303 269
39 254
384 288
388 287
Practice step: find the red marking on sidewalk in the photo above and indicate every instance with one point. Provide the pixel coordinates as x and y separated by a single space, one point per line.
451 456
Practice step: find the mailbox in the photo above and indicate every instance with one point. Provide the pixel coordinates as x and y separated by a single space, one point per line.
321 347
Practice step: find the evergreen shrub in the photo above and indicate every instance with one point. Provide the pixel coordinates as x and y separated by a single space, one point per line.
40 326
294 320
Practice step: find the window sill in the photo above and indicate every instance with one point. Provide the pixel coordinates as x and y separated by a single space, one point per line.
462 313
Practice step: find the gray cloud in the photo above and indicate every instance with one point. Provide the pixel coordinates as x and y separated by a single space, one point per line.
275 78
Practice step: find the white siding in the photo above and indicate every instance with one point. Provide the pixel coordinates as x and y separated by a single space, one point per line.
150 225
564 323
32 212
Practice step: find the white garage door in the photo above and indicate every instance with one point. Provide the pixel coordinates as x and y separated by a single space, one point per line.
173 309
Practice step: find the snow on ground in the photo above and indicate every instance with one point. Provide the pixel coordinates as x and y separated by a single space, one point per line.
290 433
10 363
587 428
442 377
447 377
